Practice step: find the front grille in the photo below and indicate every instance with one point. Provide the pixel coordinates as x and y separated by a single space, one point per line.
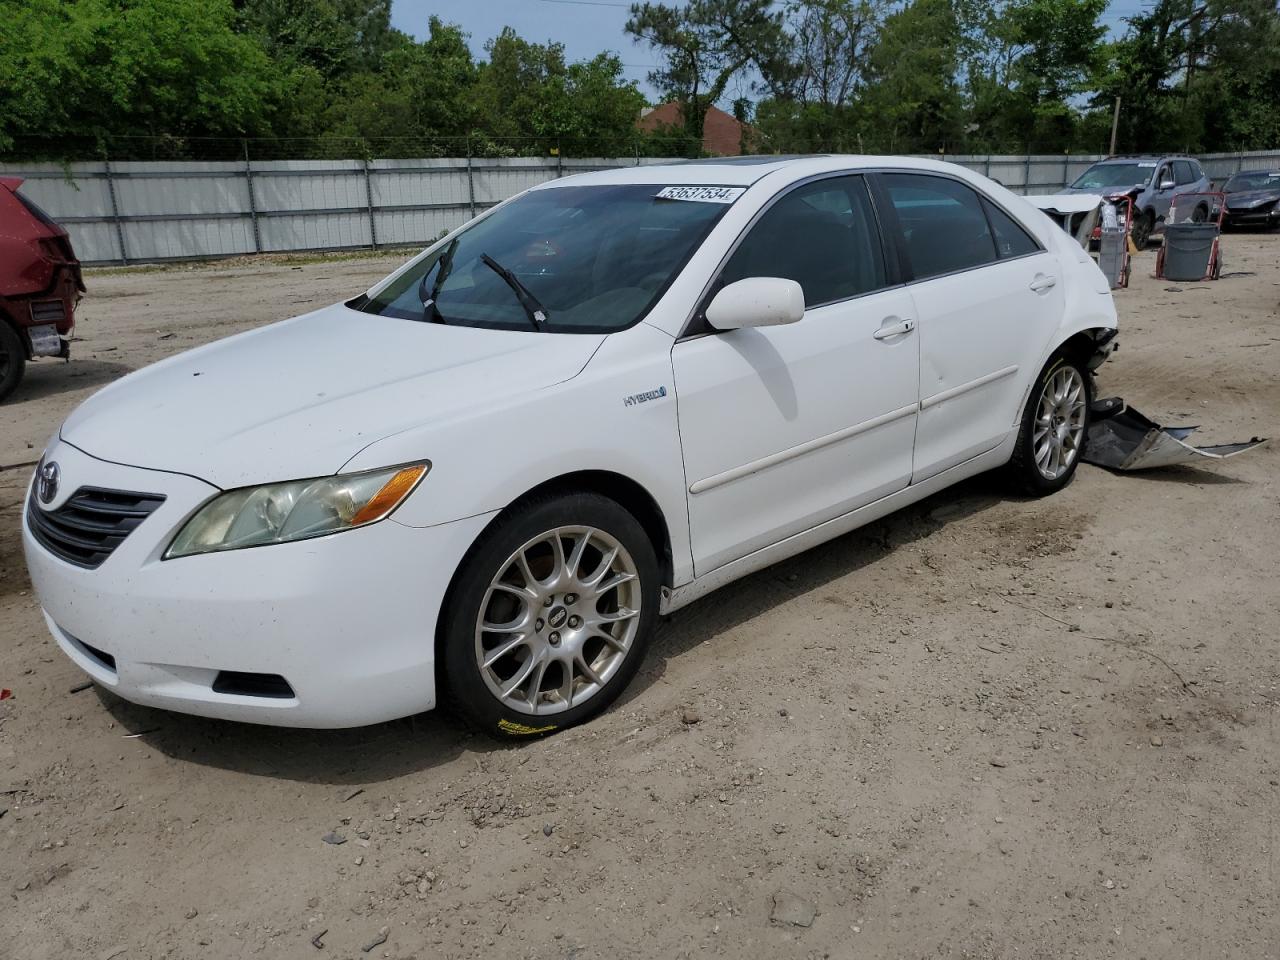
48 311
91 524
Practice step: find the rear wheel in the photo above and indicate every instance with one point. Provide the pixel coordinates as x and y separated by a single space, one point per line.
13 359
550 615
1054 430
1142 228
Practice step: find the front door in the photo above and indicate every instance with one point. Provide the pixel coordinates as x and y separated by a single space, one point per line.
1162 196
785 427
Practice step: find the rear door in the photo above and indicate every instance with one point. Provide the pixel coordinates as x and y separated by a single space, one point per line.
987 297
786 427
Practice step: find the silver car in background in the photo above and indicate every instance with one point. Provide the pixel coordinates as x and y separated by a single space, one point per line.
1151 181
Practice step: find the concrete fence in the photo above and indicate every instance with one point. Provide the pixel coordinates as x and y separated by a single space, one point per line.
149 211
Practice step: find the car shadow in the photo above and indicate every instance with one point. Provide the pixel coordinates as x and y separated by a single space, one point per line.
1181 473
742 600
49 377
369 755
356 756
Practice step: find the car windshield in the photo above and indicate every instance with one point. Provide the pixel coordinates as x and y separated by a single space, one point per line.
564 260
1253 180
1114 175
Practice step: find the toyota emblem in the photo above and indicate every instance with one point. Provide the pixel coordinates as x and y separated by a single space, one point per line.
47 482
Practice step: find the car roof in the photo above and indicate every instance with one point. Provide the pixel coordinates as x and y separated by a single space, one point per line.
744 171
1130 157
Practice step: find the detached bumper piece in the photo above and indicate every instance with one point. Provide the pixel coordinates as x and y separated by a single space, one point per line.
1123 439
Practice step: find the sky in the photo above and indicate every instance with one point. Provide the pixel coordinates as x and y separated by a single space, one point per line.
585 27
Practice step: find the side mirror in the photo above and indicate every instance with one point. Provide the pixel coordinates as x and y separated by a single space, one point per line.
756 302
1166 184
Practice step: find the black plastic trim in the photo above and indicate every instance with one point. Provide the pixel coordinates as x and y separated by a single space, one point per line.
91 524
269 685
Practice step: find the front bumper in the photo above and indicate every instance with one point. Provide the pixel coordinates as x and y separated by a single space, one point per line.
347 620
1269 216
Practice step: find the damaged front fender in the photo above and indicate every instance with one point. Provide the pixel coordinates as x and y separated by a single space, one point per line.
1104 345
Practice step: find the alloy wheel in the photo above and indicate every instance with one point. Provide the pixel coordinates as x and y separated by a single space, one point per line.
1058 434
558 620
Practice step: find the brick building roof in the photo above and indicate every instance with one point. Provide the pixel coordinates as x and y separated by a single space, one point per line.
722 134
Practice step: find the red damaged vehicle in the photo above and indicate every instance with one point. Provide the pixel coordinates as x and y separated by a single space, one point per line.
40 285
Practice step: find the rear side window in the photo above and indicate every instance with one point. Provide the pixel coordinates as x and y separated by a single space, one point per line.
822 235
1183 172
34 209
1011 239
942 222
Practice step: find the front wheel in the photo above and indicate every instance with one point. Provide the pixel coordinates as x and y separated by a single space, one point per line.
1054 429
1142 229
550 615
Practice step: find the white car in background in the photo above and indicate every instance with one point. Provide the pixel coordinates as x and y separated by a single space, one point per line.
602 399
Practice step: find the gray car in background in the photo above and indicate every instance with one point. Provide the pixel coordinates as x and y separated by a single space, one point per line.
1253 199
1152 181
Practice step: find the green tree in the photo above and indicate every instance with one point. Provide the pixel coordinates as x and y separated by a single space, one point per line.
706 44
102 68
1196 75
913 97
526 91
422 92
817 80
1026 62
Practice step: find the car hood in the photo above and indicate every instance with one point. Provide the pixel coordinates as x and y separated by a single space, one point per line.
1244 199
1103 191
300 398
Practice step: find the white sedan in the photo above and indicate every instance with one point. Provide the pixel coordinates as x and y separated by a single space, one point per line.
488 476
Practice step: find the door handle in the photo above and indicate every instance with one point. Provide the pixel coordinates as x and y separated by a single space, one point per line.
1042 283
896 329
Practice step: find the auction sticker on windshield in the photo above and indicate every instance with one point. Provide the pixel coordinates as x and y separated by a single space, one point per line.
702 194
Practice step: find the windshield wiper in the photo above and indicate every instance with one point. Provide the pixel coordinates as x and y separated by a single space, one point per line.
428 296
537 313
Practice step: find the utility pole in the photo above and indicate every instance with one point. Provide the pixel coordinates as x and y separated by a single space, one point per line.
1115 126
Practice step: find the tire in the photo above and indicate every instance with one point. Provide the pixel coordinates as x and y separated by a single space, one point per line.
1141 230
13 359
1024 470
527 601
1200 214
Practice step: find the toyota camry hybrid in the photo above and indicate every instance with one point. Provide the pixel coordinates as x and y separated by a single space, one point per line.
486 478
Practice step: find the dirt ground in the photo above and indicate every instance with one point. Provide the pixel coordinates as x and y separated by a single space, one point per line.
983 727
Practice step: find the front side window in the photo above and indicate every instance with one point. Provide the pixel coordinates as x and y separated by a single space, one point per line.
823 235
942 222
564 260
1183 172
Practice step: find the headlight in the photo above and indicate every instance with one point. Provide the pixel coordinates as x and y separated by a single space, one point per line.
297 510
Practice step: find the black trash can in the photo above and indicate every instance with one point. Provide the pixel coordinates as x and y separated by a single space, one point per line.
1187 248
